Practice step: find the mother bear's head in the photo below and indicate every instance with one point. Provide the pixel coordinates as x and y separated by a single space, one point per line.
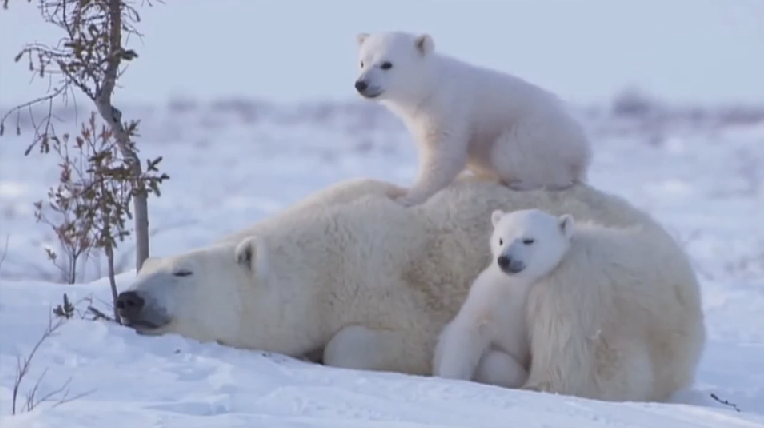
205 294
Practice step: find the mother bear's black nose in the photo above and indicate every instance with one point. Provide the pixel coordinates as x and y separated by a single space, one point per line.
129 305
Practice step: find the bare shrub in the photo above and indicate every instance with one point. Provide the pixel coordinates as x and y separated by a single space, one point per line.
26 401
89 59
68 310
32 398
91 202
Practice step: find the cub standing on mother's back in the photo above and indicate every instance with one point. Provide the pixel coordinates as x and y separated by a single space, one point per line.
464 116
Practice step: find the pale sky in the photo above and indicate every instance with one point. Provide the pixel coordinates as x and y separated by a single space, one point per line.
585 50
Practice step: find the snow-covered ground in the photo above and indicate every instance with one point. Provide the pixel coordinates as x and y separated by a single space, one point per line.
234 162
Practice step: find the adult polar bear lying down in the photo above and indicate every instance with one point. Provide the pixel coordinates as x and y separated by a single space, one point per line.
372 283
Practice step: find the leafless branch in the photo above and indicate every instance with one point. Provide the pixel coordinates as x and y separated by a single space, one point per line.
23 365
725 402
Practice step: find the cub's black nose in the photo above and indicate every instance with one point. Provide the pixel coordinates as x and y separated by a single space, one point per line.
129 305
510 266
504 262
361 85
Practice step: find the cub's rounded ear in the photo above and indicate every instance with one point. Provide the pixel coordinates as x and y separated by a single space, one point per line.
567 224
496 216
425 44
251 254
361 37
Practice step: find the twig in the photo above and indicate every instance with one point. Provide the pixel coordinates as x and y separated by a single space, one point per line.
725 402
98 314
49 98
23 365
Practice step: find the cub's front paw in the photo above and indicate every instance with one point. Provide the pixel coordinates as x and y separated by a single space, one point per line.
449 364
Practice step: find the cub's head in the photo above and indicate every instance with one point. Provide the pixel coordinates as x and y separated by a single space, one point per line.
393 65
201 294
529 243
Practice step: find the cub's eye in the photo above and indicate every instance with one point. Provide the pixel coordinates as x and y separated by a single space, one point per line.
528 241
501 241
361 64
182 273
386 65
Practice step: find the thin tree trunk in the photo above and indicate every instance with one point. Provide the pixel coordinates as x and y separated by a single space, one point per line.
73 267
112 281
140 196
141 207
113 117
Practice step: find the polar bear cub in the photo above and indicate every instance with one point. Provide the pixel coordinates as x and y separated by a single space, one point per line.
487 341
463 116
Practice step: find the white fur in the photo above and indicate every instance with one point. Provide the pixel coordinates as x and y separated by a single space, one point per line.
371 284
464 116
638 333
492 319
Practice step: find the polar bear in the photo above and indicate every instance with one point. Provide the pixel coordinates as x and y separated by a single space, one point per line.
630 309
467 117
369 284
525 246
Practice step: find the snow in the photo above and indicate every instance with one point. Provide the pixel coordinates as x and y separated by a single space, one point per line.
235 160
229 168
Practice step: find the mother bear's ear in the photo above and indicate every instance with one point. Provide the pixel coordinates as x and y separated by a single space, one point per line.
251 255
148 263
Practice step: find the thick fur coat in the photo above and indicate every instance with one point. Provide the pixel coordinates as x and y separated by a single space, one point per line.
370 284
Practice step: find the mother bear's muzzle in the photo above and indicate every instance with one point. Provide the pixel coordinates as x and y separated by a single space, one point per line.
135 313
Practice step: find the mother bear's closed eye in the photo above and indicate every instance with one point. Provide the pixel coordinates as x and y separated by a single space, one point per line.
182 273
